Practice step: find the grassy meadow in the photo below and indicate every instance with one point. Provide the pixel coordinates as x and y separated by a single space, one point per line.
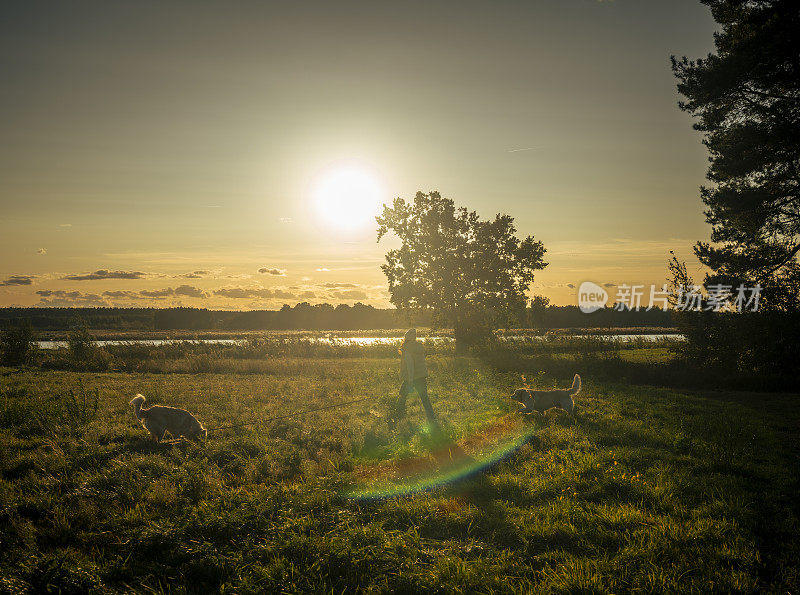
654 485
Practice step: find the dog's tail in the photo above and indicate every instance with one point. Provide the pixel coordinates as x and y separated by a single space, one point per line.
137 405
576 386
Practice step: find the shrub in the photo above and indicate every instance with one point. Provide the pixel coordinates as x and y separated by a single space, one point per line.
761 345
80 343
17 346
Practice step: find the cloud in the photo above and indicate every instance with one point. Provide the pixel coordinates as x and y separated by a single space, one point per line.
308 295
323 270
194 275
256 293
105 274
181 290
190 291
260 293
50 297
571 285
158 293
130 295
244 293
351 294
284 295
65 225
86 298
273 271
41 251
340 285
17 280
285 219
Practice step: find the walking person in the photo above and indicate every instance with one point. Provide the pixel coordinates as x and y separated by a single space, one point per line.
414 375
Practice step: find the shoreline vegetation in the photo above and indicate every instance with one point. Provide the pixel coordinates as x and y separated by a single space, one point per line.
640 359
110 334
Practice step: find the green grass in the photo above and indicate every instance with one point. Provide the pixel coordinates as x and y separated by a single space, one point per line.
647 489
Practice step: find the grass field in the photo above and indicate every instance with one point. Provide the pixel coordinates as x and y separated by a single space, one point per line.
648 488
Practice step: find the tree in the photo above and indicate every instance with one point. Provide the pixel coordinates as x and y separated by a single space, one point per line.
746 98
18 344
80 342
538 311
468 273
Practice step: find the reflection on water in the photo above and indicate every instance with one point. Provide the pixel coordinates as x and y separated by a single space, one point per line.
60 344
367 341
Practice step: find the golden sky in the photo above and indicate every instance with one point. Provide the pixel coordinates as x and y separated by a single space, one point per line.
159 154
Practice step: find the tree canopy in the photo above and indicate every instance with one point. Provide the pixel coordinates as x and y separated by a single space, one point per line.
469 273
746 98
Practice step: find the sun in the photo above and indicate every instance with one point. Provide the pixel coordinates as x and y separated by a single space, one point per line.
348 197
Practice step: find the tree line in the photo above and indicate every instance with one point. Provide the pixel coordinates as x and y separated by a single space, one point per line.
305 316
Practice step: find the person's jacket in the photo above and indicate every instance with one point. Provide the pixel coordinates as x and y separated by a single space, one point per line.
412 361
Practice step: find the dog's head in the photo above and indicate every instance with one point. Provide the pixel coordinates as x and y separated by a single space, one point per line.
523 396
137 400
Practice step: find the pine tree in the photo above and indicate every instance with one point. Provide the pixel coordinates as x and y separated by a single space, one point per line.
746 98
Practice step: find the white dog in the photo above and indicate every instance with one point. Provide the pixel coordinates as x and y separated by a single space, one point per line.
159 419
541 400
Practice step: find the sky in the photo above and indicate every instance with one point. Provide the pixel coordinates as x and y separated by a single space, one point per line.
196 153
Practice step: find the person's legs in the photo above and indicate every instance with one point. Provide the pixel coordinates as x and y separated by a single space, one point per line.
421 384
399 409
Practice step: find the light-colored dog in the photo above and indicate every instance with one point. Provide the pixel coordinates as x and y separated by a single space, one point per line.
542 400
160 419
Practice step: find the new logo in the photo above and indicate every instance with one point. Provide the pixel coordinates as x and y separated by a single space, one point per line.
591 297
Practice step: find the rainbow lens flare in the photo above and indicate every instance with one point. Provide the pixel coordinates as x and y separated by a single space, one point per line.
447 462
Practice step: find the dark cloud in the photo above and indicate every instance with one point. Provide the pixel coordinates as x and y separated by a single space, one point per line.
272 271
351 294
58 297
284 295
181 290
190 291
130 295
195 275
158 293
105 274
609 284
243 293
340 285
17 280
258 293
571 285
306 295
254 293
41 251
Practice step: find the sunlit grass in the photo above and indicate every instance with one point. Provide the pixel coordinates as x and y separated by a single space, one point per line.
648 488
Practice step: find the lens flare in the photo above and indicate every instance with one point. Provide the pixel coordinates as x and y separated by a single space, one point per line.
449 462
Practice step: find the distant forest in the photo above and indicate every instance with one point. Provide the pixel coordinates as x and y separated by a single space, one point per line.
303 316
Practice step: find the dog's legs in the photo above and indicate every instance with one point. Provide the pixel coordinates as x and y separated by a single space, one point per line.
156 431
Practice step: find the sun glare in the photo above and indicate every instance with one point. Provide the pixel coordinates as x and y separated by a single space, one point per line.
348 197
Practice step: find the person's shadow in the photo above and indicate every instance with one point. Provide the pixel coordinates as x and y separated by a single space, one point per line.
447 454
